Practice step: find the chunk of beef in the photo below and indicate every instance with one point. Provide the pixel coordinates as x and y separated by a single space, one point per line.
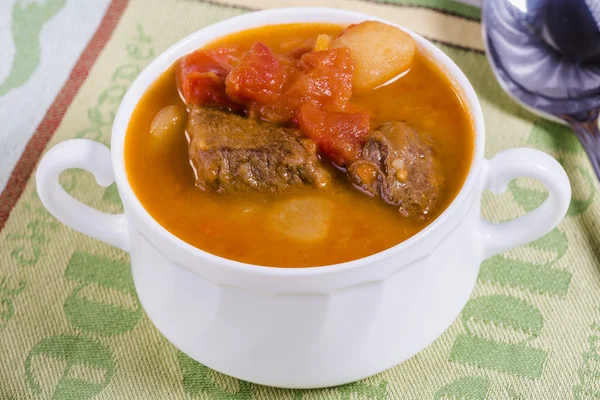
398 166
230 153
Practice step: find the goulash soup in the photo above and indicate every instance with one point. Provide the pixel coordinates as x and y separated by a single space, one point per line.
299 145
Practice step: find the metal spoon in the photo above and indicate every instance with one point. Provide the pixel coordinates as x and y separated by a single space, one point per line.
546 54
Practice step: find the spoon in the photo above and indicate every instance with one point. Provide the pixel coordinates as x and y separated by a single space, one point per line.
546 55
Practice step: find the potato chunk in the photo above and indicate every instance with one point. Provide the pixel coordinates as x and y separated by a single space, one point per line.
304 219
380 52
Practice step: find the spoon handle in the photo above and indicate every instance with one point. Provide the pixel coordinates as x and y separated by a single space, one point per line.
589 135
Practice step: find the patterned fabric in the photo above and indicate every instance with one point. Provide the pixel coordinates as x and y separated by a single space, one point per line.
38 40
71 326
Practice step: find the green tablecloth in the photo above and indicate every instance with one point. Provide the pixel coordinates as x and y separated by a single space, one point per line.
71 326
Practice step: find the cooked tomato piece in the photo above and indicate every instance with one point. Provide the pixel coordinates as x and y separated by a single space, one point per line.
258 77
282 109
340 136
206 88
323 77
201 76
329 77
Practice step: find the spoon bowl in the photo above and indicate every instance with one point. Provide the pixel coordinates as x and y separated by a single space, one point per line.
546 55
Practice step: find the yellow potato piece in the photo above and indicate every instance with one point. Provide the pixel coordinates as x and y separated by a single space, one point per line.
380 52
305 219
167 121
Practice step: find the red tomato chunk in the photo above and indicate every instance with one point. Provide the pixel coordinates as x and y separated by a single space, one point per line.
202 76
339 135
329 81
323 77
259 76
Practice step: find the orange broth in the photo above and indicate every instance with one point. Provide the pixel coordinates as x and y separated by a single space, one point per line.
235 226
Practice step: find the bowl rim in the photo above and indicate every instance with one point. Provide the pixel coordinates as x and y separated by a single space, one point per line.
275 17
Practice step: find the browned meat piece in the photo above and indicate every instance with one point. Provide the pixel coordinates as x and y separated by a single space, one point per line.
399 167
230 153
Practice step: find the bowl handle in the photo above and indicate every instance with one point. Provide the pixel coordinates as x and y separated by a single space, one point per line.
516 163
95 158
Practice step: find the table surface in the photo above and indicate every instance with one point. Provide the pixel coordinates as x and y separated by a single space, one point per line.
71 326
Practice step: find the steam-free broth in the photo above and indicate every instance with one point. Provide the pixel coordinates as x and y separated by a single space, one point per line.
304 225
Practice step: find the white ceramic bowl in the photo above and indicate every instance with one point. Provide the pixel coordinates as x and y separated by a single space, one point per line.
310 327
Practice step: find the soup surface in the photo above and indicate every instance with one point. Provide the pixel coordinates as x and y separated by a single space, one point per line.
303 225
